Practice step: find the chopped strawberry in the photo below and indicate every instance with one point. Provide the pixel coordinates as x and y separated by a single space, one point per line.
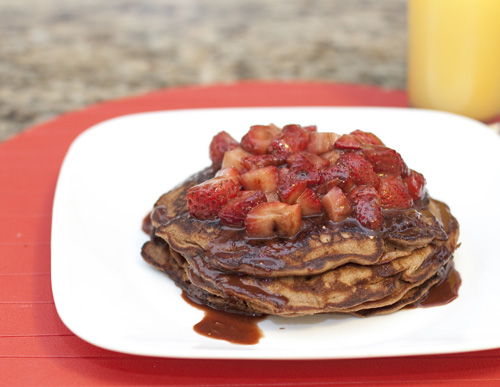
234 212
261 161
361 170
393 193
348 141
263 179
270 219
335 176
258 138
385 160
332 156
221 143
318 161
233 158
336 204
368 210
289 191
293 138
310 128
309 202
304 169
229 173
204 200
321 142
415 183
366 137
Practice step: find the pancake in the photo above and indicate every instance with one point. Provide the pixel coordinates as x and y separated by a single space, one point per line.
291 222
260 277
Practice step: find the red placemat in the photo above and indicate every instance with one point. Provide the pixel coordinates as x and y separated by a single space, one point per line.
36 349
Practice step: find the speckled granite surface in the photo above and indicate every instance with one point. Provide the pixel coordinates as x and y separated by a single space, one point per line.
58 56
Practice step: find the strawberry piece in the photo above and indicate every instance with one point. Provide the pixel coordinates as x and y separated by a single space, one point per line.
336 204
261 161
233 158
361 170
289 190
385 160
258 138
229 173
321 142
368 209
332 156
310 128
263 179
221 143
309 202
335 176
415 183
366 137
303 169
293 138
348 141
234 212
205 200
270 219
393 193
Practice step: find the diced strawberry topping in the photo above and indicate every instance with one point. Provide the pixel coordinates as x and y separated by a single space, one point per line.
337 205
385 160
309 202
321 142
293 138
221 143
258 138
234 212
233 158
393 193
348 141
274 177
269 219
415 183
368 210
303 169
366 137
289 189
204 200
360 169
261 161
229 173
263 179
337 175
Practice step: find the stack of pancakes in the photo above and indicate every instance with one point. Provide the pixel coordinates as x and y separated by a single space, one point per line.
327 268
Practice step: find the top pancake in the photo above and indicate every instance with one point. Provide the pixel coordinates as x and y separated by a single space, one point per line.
320 246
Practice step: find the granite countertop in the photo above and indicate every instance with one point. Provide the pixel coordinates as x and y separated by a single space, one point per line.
57 56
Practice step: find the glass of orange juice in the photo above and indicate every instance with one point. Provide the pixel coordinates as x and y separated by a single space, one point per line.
454 56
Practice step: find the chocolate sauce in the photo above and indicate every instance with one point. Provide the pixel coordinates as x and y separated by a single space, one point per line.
232 327
444 292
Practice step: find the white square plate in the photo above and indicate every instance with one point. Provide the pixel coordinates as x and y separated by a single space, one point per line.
115 171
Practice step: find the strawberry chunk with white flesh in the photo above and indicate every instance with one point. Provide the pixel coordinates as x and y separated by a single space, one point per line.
321 142
269 219
263 179
336 204
233 158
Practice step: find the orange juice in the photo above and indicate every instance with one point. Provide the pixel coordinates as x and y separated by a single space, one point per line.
454 56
